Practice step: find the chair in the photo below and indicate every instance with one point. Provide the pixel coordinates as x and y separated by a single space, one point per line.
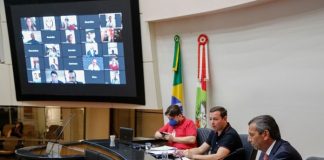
202 135
7 146
315 158
250 152
236 155
246 153
6 129
29 133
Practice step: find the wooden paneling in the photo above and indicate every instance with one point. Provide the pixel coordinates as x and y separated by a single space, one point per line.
148 122
97 123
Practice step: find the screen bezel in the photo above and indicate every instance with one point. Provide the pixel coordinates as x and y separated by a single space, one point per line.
132 92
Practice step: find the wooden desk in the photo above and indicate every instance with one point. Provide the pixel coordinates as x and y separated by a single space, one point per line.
9 143
75 151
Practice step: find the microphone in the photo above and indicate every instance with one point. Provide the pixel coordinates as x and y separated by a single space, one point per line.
51 145
66 123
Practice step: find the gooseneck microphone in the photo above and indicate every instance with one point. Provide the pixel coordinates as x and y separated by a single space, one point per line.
57 137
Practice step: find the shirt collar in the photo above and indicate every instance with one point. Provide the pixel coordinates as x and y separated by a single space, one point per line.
225 129
270 148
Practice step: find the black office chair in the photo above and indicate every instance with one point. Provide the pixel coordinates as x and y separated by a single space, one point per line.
250 152
202 135
315 158
236 155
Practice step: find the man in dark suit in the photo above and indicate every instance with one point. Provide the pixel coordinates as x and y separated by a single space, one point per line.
32 39
72 77
54 77
264 135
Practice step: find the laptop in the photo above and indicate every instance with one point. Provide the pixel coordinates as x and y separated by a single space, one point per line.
126 135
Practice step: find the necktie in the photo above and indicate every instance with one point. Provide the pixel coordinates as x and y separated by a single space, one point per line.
265 157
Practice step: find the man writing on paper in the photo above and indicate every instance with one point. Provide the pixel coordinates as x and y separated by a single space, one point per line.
221 142
180 132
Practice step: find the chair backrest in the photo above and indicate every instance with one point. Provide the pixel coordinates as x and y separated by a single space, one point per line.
315 158
6 129
202 135
236 155
28 131
250 152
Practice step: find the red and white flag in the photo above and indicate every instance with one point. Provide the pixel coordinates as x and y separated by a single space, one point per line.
203 76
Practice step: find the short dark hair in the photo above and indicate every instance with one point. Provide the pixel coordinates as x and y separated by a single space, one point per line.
53 72
222 110
267 122
72 71
173 110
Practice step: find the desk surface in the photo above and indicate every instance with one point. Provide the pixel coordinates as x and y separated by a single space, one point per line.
75 151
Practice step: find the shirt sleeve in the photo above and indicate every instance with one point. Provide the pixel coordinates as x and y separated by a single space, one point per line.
228 141
210 138
164 128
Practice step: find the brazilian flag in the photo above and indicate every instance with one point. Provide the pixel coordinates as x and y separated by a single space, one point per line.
177 90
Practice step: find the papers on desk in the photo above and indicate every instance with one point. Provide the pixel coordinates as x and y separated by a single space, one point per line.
157 151
162 149
182 158
53 149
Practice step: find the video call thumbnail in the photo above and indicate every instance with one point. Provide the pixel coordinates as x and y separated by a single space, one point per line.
74 49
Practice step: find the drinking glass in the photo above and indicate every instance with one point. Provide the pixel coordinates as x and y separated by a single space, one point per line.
148 146
112 140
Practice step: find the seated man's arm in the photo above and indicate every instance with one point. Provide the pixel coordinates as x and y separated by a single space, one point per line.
185 140
196 151
158 135
222 152
189 137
